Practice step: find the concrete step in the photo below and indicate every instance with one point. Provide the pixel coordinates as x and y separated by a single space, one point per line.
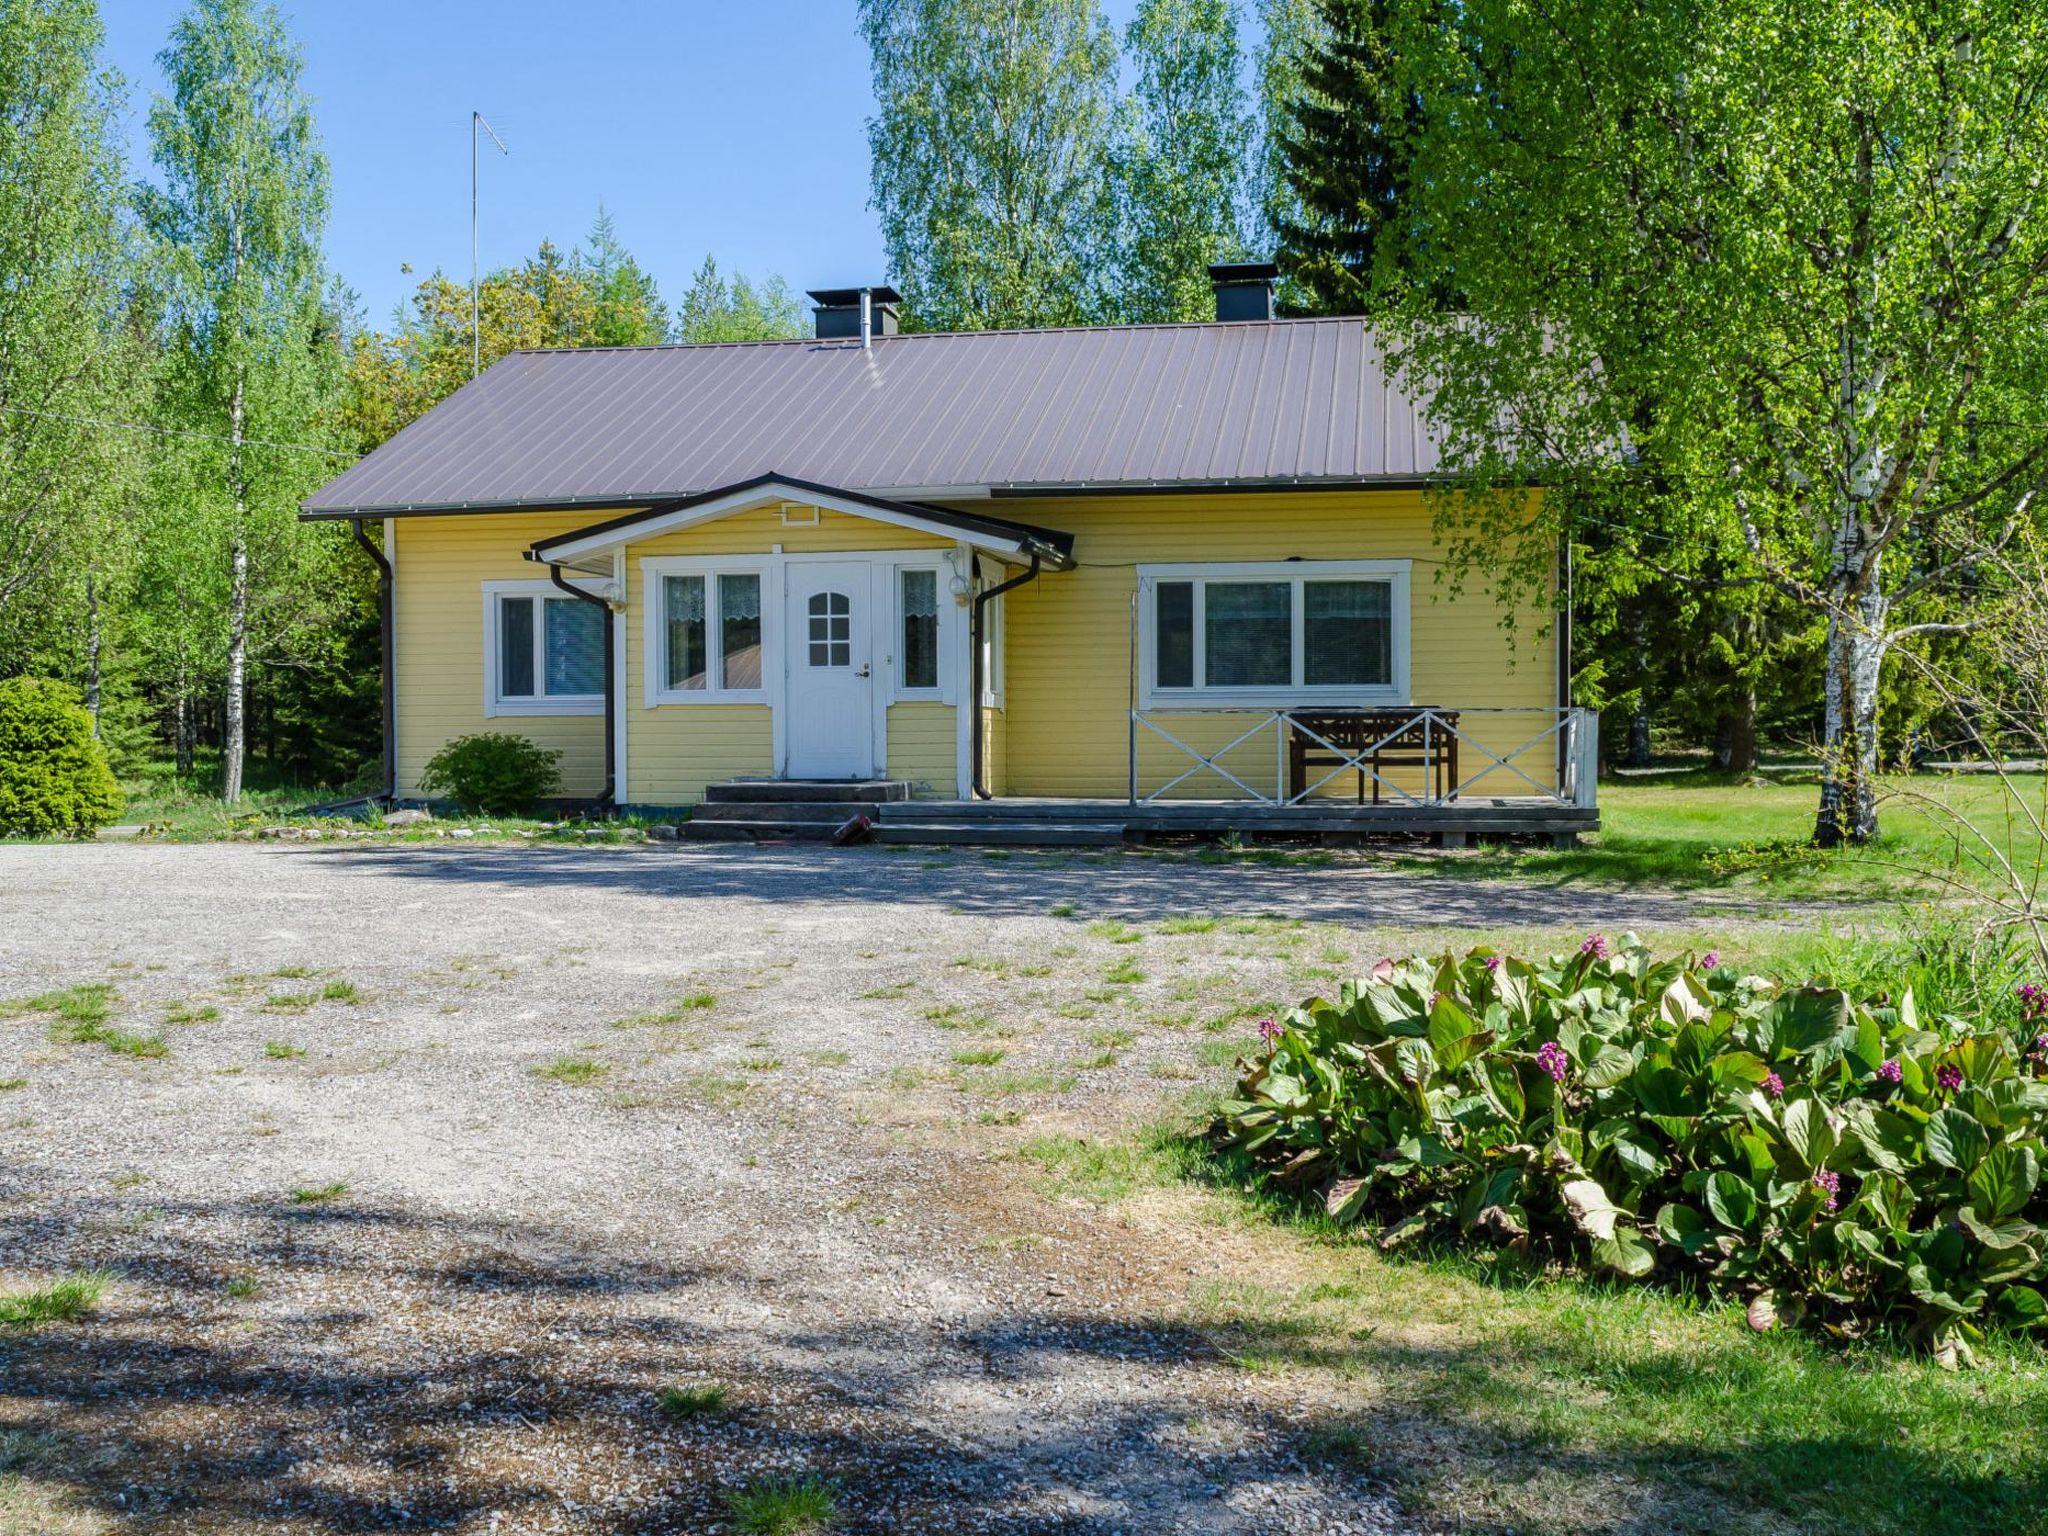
832 812
827 791
755 829
1003 834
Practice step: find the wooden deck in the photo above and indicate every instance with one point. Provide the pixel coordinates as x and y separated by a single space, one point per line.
1055 822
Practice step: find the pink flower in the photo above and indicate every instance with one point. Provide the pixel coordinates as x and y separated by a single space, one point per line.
1383 970
1829 1184
1269 1031
1948 1079
1551 1058
2040 1050
2033 1000
1595 945
1493 962
1711 960
1774 1085
1891 1071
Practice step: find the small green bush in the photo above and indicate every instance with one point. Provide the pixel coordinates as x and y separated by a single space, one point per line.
493 774
1804 1152
54 778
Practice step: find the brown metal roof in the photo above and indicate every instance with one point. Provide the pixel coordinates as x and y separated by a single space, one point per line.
929 415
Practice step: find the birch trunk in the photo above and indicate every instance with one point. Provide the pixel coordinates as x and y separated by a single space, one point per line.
233 728
92 653
1857 613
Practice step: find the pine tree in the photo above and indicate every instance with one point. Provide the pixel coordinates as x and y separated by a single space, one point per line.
1340 164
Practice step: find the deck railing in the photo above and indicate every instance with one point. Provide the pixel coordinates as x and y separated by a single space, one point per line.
1456 752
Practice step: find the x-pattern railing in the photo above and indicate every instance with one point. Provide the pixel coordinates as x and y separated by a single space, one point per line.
1575 730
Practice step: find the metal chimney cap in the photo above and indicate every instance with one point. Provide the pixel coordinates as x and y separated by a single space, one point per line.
1243 272
847 298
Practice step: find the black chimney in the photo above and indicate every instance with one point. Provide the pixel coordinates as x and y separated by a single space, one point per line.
1244 289
839 312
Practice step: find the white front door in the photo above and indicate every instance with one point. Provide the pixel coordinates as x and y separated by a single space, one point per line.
830 691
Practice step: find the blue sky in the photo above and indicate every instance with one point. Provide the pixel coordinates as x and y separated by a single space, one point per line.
734 128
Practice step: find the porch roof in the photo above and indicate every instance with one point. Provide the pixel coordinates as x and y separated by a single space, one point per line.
992 535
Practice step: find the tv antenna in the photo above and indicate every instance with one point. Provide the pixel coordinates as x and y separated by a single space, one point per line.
478 125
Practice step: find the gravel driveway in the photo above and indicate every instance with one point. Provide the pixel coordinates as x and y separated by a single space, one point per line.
457 1156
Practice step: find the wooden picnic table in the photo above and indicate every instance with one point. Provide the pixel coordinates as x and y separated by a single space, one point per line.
1398 738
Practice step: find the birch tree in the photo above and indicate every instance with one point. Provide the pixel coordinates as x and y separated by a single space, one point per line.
990 142
1768 277
237 222
64 367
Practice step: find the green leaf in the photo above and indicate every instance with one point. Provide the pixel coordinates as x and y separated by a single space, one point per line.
1955 1140
1808 1133
1503 1089
1732 1201
1684 1229
1609 1068
1809 1018
1625 1253
2021 1306
1590 1208
2004 1181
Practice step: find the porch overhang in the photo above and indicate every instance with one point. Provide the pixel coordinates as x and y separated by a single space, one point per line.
1004 540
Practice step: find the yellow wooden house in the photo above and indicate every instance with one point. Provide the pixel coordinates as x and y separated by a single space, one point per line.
1065 584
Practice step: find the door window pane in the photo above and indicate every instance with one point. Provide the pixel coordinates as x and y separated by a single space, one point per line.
515 647
831 629
920 629
739 630
683 601
1174 656
575 639
1347 632
1248 633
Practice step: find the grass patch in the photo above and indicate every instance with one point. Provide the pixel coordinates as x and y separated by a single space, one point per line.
784 1506
982 1058
341 992
828 1058
318 1194
282 1050
696 1402
1188 925
186 1013
294 973
64 1300
289 1002
572 1069
894 989
79 1017
241 1287
1111 1039
1009 1084
761 1063
1061 909
1123 974
1116 930
950 1016
9 1084
1077 1167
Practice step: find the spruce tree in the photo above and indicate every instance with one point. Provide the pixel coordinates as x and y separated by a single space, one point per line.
1339 163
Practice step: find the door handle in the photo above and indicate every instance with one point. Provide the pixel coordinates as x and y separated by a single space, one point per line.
865 670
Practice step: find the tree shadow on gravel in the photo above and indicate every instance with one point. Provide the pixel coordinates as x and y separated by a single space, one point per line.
1135 888
382 1372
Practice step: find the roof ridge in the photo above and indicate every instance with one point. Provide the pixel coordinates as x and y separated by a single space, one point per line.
851 343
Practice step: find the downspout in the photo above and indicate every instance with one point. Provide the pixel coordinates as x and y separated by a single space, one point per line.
610 798
981 602
389 690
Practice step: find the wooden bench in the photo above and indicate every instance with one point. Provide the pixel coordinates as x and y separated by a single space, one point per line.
1397 738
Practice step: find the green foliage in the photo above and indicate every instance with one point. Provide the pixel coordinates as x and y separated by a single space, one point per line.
737 309
1798 1149
693 1402
1340 161
990 142
54 777
493 773
1182 139
784 1506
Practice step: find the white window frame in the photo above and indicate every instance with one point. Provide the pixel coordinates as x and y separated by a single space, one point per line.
497 704
893 658
654 628
1296 572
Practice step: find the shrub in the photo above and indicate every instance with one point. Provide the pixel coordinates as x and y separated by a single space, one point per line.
54 777
1807 1153
493 774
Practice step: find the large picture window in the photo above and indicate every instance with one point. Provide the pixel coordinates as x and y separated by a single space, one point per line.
545 651
709 626
1322 631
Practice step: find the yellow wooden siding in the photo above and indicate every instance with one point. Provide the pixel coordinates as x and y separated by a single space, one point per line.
1069 637
995 744
674 750
923 746
441 567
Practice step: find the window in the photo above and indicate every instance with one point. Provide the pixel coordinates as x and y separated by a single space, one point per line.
1306 631
920 629
831 629
545 651
706 641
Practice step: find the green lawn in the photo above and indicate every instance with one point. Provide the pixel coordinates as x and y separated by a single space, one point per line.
1699 830
1493 1398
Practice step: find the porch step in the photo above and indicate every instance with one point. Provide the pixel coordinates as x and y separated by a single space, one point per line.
823 791
764 824
830 812
1002 833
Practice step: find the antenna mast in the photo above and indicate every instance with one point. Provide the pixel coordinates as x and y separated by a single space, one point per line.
476 122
